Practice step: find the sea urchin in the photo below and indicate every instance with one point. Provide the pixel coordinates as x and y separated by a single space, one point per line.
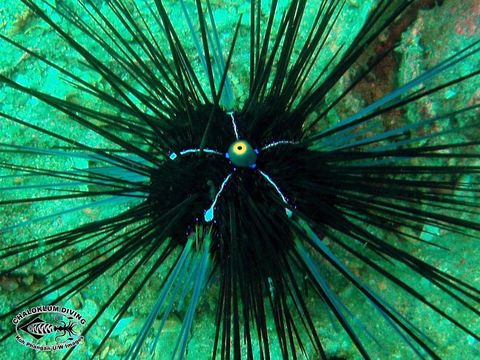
268 202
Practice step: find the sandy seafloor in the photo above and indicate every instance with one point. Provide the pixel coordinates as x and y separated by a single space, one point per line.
426 36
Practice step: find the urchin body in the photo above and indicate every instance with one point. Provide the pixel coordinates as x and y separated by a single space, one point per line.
260 196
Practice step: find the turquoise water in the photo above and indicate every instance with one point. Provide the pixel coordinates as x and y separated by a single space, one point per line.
425 37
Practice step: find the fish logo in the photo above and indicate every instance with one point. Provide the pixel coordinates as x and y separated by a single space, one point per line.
49 328
39 328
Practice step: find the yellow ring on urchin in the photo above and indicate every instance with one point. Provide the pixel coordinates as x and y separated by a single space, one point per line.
240 147
242 154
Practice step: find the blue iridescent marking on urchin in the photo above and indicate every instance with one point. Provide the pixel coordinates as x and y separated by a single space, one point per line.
279 192
234 124
240 154
174 155
277 143
209 216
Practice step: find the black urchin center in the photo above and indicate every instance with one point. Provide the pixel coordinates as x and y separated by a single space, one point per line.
245 192
220 186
